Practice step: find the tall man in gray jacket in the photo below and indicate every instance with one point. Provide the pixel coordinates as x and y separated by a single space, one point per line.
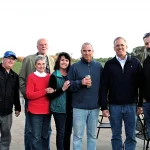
28 66
85 86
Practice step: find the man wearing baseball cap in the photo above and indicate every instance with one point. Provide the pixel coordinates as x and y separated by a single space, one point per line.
9 96
9 54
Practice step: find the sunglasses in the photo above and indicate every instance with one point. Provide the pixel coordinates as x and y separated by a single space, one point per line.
146 35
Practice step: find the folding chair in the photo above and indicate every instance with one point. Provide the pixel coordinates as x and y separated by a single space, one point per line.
103 125
142 132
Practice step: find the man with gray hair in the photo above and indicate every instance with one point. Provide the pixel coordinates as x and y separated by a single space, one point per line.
121 89
28 66
85 78
146 81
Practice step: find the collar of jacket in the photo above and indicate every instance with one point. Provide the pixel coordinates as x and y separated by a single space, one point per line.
114 60
85 62
148 56
57 73
41 54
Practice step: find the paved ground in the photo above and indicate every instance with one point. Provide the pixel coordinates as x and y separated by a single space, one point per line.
17 143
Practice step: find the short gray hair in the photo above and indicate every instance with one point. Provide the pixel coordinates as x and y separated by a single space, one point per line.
39 40
117 38
39 57
86 43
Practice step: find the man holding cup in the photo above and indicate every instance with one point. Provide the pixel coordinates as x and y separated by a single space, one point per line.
84 79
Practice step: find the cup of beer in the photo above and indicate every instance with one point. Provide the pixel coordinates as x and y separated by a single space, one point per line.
89 77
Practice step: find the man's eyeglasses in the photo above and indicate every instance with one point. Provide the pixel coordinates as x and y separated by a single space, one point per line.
146 35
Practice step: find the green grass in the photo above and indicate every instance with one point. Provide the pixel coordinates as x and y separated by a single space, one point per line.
17 67
103 63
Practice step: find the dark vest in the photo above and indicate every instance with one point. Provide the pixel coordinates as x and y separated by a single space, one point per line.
58 104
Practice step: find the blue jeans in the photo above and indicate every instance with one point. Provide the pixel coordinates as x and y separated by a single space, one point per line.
28 131
146 111
127 113
82 118
60 119
40 126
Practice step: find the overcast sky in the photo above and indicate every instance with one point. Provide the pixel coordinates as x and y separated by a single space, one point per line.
67 24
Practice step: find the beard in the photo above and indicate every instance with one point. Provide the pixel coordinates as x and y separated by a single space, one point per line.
148 51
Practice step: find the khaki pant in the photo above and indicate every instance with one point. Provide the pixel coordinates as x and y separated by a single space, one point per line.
5 134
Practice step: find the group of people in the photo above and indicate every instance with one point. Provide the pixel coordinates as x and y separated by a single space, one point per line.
74 95
44 85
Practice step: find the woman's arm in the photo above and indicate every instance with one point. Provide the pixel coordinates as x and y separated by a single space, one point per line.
30 92
53 84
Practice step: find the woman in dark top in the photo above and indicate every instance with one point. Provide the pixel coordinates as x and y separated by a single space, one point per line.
61 101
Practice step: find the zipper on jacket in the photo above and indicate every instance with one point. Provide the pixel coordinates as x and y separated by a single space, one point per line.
124 66
5 96
89 69
122 69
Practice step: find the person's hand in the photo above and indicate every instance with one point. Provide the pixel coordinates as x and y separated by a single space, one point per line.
50 90
139 110
17 113
86 81
105 113
66 85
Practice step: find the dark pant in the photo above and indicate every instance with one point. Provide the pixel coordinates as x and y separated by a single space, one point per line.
5 133
40 126
68 130
28 131
146 110
60 119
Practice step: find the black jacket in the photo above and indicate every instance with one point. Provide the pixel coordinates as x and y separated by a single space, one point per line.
121 86
146 78
9 91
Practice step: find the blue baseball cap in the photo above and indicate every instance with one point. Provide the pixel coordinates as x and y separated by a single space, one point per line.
9 53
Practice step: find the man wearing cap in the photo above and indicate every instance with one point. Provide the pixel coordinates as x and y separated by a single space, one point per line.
146 81
9 96
28 66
